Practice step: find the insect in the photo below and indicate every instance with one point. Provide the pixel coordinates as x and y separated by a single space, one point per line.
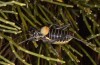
53 34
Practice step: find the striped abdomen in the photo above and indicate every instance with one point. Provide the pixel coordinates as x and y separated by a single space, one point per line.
58 36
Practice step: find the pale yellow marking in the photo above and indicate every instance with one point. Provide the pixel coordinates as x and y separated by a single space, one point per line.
62 42
48 38
44 30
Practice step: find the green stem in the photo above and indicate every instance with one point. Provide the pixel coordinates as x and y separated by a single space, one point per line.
87 54
6 60
28 52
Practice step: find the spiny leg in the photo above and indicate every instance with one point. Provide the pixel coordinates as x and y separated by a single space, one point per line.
60 27
29 39
46 39
83 41
65 26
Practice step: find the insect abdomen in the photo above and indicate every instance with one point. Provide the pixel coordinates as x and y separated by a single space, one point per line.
59 36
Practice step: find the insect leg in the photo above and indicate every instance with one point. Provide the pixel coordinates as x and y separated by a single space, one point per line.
60 27
46 39
29 39
54 26
65 26
50 46
83 41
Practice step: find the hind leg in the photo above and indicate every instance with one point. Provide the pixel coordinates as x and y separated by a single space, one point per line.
60 27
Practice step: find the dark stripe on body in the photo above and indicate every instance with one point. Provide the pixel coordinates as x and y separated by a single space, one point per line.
58 35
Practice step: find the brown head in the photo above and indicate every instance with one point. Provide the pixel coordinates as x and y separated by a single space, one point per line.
45 30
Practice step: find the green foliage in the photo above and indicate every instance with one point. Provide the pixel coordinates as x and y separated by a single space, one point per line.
17 17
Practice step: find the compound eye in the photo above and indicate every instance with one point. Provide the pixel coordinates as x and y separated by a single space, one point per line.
35 33
31 31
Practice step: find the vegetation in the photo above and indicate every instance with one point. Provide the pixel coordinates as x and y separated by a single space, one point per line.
17 17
